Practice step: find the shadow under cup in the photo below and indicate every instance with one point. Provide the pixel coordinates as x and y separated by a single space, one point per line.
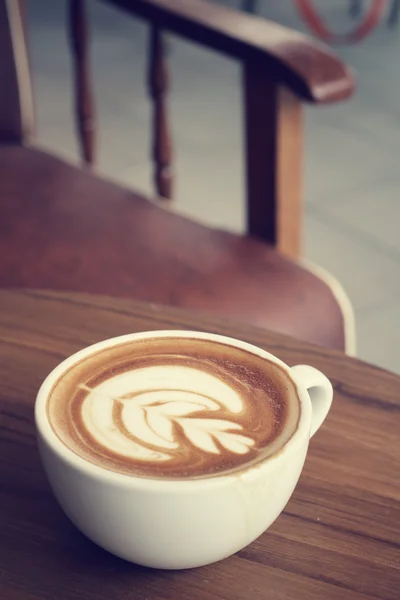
171 516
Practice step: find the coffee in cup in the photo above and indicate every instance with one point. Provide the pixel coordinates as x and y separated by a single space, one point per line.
173 408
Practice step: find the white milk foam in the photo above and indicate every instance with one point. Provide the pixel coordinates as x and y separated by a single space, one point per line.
136 414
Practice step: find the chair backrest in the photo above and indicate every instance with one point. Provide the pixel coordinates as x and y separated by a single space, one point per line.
281 68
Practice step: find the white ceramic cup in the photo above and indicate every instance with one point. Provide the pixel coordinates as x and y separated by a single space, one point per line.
178 524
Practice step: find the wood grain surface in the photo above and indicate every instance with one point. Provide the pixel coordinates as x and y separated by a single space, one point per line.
338 537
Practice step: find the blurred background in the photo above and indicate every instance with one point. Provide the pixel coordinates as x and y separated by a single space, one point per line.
352 149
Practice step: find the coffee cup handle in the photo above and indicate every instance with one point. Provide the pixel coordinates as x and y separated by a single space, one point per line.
320 391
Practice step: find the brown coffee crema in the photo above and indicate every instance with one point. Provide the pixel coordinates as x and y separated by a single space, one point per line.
174 408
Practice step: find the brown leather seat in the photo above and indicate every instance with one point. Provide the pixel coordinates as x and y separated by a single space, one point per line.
64 228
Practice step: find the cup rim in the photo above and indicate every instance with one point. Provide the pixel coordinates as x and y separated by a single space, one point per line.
47 435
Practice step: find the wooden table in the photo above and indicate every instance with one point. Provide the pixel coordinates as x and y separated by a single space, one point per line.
338 538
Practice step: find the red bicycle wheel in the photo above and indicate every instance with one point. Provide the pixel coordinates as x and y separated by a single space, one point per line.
370 20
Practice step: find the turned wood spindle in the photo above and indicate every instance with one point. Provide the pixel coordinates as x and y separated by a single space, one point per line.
83 94
158 85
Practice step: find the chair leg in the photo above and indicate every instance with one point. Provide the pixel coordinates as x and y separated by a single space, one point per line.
393 18
249 6
355 8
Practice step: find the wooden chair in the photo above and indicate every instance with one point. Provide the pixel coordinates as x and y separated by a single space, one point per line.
63 227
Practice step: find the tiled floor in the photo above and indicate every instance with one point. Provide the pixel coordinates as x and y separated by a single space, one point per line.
352 149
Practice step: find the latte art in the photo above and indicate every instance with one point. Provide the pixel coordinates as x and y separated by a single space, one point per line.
172 408
141 414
